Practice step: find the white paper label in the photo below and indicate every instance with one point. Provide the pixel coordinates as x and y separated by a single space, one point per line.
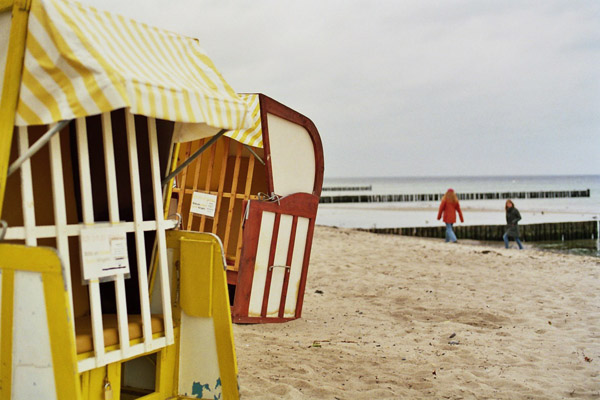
204 204
104 252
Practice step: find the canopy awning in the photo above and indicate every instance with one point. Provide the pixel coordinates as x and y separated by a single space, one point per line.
251 136
81 61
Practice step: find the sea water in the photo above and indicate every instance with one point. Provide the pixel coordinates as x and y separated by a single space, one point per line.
476 212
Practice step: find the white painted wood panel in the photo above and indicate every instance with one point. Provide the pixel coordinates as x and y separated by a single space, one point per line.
113 212
156 299
279 261
136 199
292 157
296 270
60 213
87 205
27 190
33 374
198 359
161 241
49 231
261 264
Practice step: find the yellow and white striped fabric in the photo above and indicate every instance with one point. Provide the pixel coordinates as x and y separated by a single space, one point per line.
81 61
251 136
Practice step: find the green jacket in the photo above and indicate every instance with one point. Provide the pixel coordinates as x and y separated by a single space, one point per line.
512 219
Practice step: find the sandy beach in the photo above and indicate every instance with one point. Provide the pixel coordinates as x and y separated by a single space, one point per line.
389 317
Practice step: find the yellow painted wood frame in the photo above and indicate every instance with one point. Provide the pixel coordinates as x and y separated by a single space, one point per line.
205 242
194 280
12 82
46 262
93 381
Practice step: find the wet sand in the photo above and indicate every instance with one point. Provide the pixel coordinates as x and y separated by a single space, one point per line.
476 212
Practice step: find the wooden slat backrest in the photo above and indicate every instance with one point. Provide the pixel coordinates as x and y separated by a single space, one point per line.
63 225
227 171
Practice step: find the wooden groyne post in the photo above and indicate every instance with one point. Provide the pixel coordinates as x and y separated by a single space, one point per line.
347 188
383 198
530 233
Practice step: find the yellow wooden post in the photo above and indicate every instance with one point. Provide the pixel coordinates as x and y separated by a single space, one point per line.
201 258
8 279
6 5
223 328
12 82
61 339
167 370
174 157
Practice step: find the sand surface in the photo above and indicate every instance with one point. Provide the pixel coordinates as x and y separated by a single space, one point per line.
389 317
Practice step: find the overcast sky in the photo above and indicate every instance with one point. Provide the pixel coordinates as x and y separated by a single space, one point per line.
414 88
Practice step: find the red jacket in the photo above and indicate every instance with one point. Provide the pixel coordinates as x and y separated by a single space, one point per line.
449 210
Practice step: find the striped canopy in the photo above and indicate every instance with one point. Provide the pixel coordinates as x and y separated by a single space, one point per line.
80 61
252 135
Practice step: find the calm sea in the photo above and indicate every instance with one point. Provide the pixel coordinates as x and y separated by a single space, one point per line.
476 212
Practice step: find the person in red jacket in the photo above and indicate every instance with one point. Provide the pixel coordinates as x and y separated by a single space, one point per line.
449 207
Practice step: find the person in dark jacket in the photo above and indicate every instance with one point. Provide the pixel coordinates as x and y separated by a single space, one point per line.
448 208
512 228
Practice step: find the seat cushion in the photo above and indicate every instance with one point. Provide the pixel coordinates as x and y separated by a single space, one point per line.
83 330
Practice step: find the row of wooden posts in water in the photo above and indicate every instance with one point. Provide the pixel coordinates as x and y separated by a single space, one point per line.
383 198
530 233
347 188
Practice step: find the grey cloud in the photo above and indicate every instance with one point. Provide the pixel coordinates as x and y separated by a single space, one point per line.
412 87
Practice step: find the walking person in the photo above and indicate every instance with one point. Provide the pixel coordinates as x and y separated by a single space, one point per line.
512 228
448 208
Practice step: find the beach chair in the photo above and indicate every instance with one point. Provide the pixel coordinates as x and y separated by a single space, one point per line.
259 194
100 298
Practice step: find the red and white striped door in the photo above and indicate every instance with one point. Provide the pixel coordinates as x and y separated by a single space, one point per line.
277 240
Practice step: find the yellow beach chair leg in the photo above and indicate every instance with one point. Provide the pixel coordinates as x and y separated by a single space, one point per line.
223 330
12 85
8 280
204 296
61 340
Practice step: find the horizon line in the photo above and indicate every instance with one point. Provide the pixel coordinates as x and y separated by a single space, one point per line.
464 176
